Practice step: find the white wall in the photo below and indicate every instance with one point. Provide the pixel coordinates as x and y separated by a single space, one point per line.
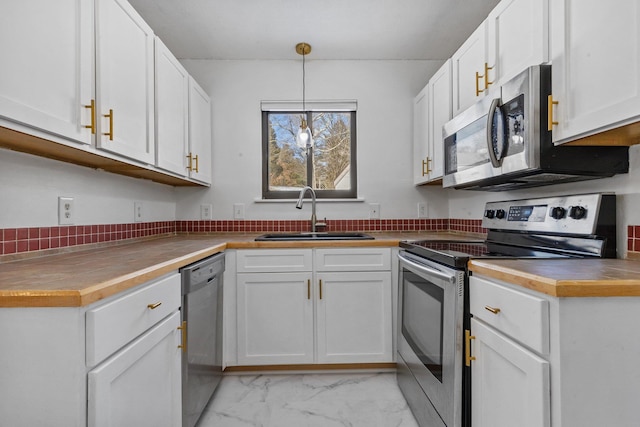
30 187
384 91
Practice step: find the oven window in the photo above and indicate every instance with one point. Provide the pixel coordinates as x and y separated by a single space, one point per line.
422 320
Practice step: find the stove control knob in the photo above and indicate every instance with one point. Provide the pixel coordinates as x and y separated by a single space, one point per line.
500 213
577 212
558 212
489 213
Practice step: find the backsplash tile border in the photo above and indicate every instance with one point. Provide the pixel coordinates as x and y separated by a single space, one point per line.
31 239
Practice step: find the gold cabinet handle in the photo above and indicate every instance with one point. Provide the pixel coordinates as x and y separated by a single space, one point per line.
467 347
320 288
550 104
92 107
110 133
183 329
154 305
478 90
426 170
192 158
492 309
487 83
308 288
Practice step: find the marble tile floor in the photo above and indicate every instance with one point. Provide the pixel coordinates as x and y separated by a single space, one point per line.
308 400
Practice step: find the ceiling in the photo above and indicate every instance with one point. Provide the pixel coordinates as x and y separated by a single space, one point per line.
336 29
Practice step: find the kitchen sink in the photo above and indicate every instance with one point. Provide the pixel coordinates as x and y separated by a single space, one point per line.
278 237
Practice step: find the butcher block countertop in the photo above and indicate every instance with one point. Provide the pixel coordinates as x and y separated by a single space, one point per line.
566 277
77 278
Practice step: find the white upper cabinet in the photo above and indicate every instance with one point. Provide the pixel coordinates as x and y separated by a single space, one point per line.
172 111
46 76
468 64
517 37
440 110
595 51
421 137
199 157
125 89
513 37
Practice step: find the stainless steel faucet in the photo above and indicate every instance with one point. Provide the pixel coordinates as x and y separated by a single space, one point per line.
313 205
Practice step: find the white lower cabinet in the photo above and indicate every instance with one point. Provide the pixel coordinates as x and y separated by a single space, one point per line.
306 306
543 361
112 363
139 386
510 385
275 318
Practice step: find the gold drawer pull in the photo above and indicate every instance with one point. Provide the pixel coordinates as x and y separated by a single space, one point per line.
492 309
478 90
308 288
320 288
154 305
183 328
467 347
487 83
191 160
425 165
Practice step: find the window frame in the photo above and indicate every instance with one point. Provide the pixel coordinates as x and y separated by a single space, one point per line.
351 193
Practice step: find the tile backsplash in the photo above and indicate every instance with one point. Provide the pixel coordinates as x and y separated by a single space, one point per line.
17 240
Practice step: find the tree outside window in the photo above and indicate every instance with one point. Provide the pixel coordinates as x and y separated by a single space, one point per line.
328 166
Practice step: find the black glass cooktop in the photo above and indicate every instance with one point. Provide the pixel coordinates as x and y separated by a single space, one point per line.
457 253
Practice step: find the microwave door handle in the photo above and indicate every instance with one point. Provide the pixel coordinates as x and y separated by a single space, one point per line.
426 270
495 162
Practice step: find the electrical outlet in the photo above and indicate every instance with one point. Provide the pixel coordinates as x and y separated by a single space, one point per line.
238 211
66 214
137 212
423 210
205 211
374 210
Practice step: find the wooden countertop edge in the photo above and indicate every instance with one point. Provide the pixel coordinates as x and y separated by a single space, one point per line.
91 294
558 288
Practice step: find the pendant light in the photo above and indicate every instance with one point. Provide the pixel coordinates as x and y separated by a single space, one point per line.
304 139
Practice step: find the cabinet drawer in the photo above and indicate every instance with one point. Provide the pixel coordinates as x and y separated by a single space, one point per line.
112 325
521 316
353 259
273 260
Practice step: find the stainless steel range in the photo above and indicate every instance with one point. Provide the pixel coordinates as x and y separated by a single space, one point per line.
433 296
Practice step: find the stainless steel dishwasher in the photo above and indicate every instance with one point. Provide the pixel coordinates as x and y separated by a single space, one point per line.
202 335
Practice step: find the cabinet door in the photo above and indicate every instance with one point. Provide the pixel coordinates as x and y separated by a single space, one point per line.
440 113
354 317
199 132
172 111
595 74
124 65
510 385
140 385
421 137
275 318
46 77
468 60
518 37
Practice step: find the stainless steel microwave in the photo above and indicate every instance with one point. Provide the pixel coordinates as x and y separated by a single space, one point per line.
504 142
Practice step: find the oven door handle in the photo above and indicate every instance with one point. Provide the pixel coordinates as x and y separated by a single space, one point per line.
427 270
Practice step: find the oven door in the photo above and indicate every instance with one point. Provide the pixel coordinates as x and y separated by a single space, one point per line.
430 337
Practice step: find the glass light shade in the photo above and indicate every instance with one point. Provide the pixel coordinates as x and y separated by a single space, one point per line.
304 138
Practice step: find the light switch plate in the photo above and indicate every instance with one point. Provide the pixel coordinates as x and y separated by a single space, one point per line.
423 210
374 210
138 213
238 211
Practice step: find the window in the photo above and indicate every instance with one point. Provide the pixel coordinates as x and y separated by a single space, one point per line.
329 166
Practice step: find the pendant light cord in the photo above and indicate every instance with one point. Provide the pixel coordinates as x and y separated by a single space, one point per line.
303 78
